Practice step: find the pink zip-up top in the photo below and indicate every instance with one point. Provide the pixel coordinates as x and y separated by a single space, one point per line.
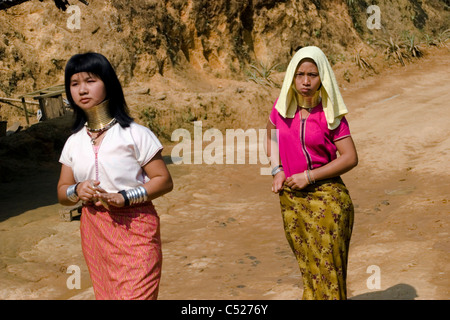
308 143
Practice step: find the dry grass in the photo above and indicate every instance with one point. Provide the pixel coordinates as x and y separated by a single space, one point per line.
443 38
363 63
413 47
261 74
396 49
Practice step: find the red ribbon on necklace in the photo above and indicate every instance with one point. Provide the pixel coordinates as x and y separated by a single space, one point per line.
98 135
101 131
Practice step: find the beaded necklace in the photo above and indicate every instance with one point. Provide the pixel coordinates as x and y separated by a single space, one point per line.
99 131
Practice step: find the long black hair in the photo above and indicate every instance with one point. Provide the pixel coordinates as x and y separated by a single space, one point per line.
97 64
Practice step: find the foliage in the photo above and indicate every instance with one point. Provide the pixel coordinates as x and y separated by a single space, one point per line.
261 74
362 62
395 49
439 41
412 47
443 38
150 116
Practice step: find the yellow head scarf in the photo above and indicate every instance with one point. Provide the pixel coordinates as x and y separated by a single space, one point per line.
332 102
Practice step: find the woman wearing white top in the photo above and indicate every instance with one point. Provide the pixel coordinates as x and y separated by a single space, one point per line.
114 166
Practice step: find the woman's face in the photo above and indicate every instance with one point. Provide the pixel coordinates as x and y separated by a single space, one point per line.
87 90
307 79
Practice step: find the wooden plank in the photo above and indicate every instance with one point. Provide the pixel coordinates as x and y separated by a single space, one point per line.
25 111
20 108
58 87
18 100
47 95
51 107
70 213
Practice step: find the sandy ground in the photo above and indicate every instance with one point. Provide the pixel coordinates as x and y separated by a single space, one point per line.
221 226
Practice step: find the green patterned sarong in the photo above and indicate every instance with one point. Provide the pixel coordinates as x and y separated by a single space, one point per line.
318 223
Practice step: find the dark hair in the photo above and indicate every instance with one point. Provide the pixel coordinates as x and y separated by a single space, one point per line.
97 64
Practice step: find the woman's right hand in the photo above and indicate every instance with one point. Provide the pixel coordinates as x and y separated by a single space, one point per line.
278 181
87 190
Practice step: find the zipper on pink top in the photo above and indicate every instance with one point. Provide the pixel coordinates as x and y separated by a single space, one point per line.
302 140
96 160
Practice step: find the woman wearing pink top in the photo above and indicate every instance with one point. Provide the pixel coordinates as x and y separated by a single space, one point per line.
307 129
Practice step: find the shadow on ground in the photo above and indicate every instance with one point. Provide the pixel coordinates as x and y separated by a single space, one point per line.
400 291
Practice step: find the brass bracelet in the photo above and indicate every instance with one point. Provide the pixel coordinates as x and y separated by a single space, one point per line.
305 173
309 177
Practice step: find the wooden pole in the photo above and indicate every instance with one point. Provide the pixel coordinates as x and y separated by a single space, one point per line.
17 100
25 110
17 107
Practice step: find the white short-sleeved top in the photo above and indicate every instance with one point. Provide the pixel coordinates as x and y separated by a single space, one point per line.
119 159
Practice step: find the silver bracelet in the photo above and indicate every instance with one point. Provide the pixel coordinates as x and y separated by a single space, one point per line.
277 169
137 195
71 193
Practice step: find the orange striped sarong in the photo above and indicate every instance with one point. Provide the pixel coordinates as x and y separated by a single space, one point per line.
122 249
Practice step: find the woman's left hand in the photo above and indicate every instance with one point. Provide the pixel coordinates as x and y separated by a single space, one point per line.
114 199
297 181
